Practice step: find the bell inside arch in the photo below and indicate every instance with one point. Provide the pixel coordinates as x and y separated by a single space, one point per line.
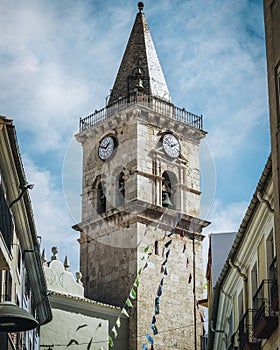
140 86
166 202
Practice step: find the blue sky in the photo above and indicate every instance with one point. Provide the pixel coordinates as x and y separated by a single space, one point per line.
59 59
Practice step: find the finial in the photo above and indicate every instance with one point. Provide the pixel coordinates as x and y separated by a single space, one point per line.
66 264
55 252
140 6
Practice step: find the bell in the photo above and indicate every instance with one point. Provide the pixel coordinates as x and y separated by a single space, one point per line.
15 319
166 200
140 86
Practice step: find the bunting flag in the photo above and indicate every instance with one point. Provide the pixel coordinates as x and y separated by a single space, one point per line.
185 247
144 347
114 331
190 278
167 244
154 329
128 303
125 312
150 339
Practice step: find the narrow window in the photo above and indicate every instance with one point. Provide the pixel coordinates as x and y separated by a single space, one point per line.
121 189
254 280
156 248
101 198
271 264
240 305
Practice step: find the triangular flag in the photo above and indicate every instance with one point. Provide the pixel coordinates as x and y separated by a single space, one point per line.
136 282
184 248
161 282
154 320
167 244
150 339
167 254
190 278
156 309
154 329
146 249
114 331
132 294
187 263
118 322
159 292
110 341
171 233
144 347
128 303
165 271
124 312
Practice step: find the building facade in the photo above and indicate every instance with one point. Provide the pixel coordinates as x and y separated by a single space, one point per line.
82 323
244 307
272 34
22 279
141 231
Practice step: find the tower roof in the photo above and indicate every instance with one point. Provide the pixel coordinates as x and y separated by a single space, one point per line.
140 69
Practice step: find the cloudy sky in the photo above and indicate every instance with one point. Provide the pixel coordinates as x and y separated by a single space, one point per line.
59 59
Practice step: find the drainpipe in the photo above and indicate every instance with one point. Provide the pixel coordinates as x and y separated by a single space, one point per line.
245 280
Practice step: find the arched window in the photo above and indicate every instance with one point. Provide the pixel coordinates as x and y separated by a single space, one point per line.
166 191
121 189
101 198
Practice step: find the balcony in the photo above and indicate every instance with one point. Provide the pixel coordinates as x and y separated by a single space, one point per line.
156 104
265 313
245 333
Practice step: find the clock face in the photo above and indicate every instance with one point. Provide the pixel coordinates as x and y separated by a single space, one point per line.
171 145
106 147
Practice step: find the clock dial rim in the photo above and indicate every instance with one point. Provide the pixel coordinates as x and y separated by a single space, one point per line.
168 146
106 147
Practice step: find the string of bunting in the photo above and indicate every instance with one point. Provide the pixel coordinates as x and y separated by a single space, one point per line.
133 291
153 326
128 302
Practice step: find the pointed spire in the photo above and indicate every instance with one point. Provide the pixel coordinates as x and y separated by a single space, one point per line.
43 258
140 69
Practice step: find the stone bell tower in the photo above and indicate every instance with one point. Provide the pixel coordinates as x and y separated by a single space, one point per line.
141 203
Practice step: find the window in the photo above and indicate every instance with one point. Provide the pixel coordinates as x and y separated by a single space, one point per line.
121 189
101 198
254 280
240 305
270 256
156 248
6 222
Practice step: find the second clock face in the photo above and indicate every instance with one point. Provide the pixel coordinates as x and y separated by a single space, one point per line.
171 145
106 147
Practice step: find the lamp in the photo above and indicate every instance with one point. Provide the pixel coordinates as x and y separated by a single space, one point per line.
15 319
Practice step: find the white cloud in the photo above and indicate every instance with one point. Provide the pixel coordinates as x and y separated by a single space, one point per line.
52 221
226 218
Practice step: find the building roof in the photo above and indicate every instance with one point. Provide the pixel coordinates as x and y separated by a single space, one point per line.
248 217
140 61
23 217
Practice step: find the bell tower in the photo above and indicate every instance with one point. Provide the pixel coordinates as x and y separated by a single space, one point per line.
141 203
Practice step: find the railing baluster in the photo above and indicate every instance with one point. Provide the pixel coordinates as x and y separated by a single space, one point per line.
154 103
